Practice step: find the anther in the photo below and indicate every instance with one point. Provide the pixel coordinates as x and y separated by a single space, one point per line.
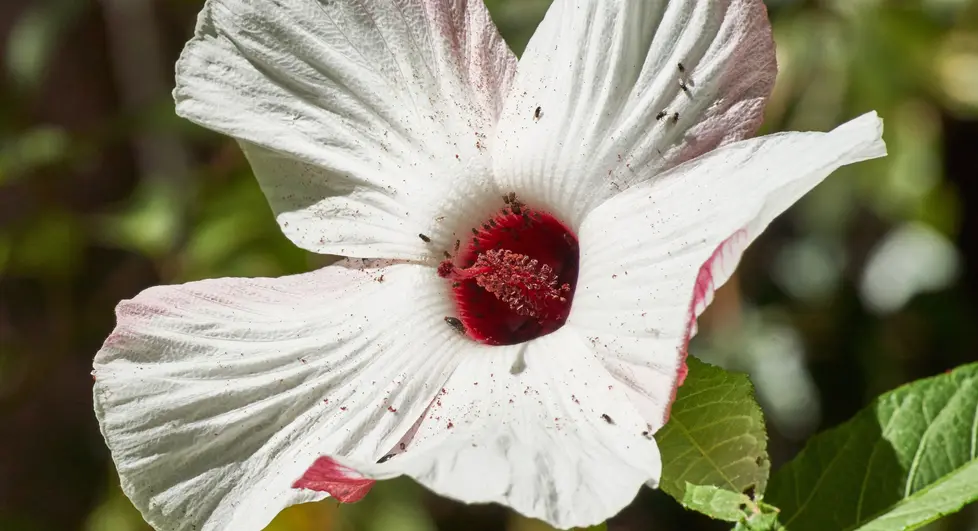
529 288
513 279
445 268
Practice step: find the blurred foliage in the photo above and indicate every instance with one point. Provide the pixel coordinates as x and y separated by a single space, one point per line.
104 191
901 463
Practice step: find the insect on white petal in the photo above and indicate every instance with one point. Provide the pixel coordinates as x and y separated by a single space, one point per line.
456 324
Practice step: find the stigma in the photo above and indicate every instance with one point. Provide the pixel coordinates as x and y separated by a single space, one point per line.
514 279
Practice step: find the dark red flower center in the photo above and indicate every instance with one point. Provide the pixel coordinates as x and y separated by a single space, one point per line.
514 279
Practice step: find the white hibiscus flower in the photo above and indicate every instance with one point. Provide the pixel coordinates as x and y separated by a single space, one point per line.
529 246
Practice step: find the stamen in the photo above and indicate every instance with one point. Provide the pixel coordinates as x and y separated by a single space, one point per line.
529 288
514 279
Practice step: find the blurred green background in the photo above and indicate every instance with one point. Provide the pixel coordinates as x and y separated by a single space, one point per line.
870 282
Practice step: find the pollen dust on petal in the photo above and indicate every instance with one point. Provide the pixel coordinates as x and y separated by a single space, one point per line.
340 482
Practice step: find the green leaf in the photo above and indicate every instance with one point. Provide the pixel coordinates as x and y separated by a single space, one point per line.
715 437
731 506
762 521
906 460
719 503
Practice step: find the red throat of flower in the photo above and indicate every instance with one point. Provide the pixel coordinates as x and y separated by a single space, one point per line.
515 278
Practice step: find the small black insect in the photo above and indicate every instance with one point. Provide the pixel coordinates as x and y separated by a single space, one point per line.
682 69
538 113
685 87
424 238
385 458
458 243
607 418
456 324
661 115
675 117
448 255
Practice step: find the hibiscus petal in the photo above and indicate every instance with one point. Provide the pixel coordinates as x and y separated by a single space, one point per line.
581 121
215 397
539 427
359 117
652 257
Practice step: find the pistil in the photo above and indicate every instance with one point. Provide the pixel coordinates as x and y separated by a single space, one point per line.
515 279
529 288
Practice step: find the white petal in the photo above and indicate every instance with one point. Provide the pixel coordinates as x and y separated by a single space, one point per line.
525 426
357 116
214 397
652 257
600 71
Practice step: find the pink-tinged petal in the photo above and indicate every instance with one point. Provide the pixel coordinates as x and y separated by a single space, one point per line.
216 397
720 265
606 78
360 117
340 482
540 427
652 257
